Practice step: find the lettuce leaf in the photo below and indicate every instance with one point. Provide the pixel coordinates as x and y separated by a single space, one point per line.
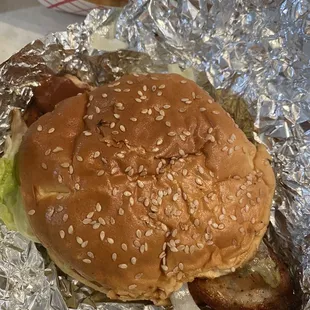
8 187
12 211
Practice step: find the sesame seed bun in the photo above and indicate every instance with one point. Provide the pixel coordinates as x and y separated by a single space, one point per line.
143 184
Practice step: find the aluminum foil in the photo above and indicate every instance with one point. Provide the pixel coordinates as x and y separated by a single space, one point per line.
252 55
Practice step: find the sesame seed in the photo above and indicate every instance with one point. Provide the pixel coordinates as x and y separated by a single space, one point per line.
87 133
241 229
181 152
44 166
215 225
164 267
127 193
79 240
102 235
65 165
138 100
184 172
168 124
104 95
32 212
140 184
159 93
96 225
183 82
171 133
114 257
198 181
184 99
118 90
210 242
249 195
86 221
90 254
112 125
233 217
149 233
79 158
96 154
124 247
70 230
170 177
159 118
51 130
87 261
39 128
221 217
138 233
97 110
142 248
129 82
114 170
70 169
159 141
110 240
65 217
90 215
84 244
47 152
146 202
101 221
221 226
166 106
117 116
196 222
100 173
175 197
123 266
202 109
122 128
98 207
216 112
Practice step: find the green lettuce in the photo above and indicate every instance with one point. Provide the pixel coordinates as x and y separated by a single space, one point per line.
12 211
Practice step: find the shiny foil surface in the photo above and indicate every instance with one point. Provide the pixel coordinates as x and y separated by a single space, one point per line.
253 56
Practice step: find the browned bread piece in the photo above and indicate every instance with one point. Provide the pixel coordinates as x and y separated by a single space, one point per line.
144 184
246 290
51 91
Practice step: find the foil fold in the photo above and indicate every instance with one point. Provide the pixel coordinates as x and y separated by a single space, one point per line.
253 56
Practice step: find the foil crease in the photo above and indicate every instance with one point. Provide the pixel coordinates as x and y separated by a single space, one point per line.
253 56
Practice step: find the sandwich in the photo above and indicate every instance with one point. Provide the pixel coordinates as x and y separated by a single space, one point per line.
138 186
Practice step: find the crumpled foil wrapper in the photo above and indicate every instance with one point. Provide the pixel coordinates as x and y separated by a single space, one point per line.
253 56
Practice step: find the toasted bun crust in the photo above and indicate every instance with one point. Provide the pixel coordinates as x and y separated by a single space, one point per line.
144 184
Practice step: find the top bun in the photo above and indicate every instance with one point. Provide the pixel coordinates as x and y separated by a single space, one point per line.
144 184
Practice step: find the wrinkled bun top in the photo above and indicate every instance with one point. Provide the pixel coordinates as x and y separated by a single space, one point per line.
144 184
